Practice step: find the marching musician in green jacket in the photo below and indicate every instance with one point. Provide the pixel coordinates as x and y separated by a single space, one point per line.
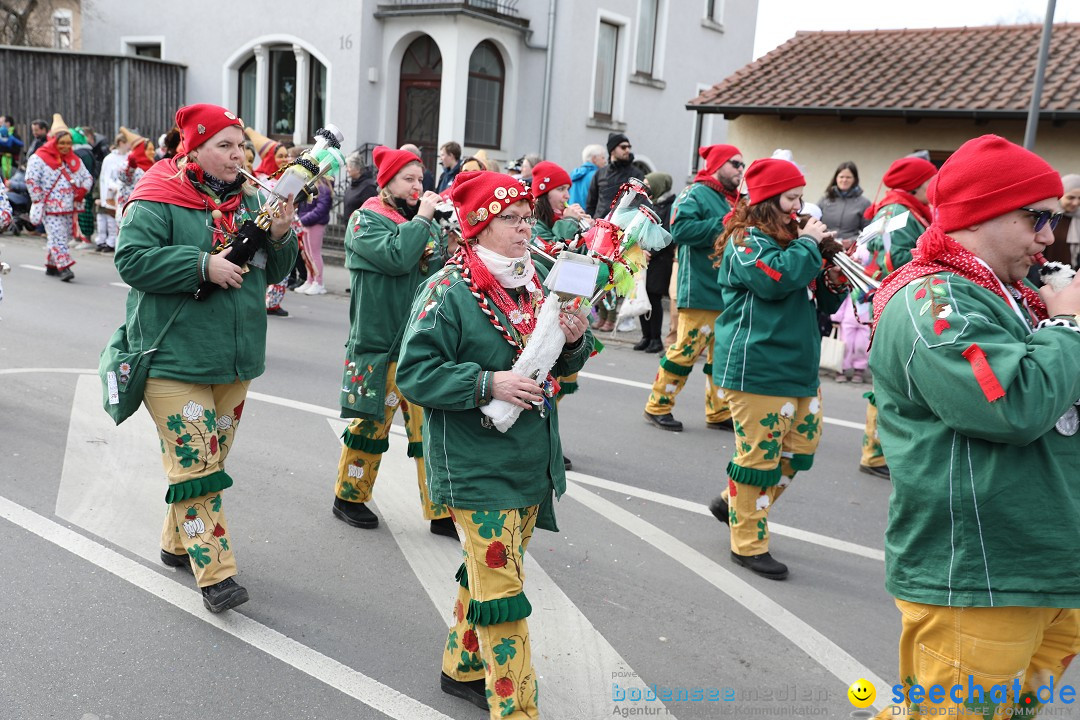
467 327
181 210
768 347
391 244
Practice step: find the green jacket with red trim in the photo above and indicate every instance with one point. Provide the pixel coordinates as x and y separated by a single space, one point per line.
985 505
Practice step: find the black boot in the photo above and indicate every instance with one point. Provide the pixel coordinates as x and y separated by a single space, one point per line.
181 562
719 509
442 526
665 422
762 564
567 465
881 471
722 425
356 514
66 275
642 344
223 595
654 346
473 690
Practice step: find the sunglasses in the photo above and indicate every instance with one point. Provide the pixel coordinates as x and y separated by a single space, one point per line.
1042 217
625 146
738 165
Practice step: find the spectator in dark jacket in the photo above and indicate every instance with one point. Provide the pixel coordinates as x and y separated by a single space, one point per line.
41 136
843 204
361 184
450 157
608 179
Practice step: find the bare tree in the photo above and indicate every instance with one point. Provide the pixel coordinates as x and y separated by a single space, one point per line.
15 21
31 23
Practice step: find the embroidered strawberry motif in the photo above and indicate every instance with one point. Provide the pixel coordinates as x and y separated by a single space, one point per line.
941 325
191 513
732 491
504 687
213 444
218 530
469 641
496 555
238 411
920 293
459 611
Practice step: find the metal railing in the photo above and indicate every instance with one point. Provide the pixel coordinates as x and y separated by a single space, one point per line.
498 7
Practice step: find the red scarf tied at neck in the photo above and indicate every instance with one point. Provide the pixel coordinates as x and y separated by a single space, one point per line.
50 154
936 252
164 183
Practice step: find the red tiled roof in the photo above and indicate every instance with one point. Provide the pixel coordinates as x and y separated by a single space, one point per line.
971 72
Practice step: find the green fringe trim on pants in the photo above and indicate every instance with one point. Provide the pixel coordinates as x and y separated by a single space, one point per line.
364 444
675 368
707 369
198 486
870 396
749 476
567 388
416 450
500 610
462 577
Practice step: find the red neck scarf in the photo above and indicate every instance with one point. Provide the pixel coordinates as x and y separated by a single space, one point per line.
268 165
710 181
937 252
164 183
377 206
919 209
50 154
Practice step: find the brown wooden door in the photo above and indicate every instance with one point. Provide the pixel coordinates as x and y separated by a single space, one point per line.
419 96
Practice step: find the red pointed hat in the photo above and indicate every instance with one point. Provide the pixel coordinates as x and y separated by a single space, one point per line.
199 123
546 177
481 195
908 173
770 177
389 161
986 178
714 156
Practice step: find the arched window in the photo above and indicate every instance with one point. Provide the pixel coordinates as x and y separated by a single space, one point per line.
281 91
419 95
484 98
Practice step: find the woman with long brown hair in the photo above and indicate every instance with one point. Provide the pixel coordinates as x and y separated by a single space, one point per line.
767 350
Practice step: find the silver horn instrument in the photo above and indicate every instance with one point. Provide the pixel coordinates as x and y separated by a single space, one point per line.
855 273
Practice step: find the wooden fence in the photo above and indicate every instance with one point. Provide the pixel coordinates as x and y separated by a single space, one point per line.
102 91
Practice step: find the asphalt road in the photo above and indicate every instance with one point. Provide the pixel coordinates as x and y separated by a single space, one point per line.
636 594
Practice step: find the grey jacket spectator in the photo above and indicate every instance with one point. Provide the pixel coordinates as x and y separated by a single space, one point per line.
844 213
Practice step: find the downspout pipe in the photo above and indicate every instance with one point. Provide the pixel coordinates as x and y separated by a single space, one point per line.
1040 71
546 102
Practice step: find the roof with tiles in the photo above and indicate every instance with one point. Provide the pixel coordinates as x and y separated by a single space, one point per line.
970 72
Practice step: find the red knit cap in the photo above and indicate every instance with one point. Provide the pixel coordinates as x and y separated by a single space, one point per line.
714 156
481 195
986 178
908 173
389 162
199 123
769 177
546 177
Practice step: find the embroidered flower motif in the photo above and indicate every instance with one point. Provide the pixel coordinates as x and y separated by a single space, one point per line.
504 687
788 410
670 388
946 311
762 501
815 406
193 411
391 399
496 555
194 527
218 530
469 641
516 316
356 470
731 489
213 444
224 422
706 329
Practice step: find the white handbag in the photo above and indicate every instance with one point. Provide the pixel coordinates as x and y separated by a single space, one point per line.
832 352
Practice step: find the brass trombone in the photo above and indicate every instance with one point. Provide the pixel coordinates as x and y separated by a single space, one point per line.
855 273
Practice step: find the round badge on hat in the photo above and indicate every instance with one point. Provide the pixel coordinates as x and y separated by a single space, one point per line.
512 192
230 115
495 207
500 193
481 214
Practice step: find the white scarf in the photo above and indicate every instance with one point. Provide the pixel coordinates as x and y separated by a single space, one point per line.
508 272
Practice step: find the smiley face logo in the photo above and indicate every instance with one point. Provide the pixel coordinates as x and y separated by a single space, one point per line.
861 693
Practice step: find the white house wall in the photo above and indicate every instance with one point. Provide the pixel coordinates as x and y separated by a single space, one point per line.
363 79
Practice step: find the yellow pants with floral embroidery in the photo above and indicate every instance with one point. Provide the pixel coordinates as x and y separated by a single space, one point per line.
775 437
490 637
196 425
695 336
872 456
978 648
366 440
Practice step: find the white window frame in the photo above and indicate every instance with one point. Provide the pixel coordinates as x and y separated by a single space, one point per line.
715 19
659 41
69 31
128 43
622 63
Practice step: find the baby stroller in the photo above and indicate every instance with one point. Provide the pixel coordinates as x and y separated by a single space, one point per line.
19 197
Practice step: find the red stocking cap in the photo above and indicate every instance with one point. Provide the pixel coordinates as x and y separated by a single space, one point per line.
770 177
481 195
199 123
908 173
546 177
714 156
389 162
986 178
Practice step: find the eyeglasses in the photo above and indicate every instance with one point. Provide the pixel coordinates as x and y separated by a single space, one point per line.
624 146
514 220
1042 217
737 164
